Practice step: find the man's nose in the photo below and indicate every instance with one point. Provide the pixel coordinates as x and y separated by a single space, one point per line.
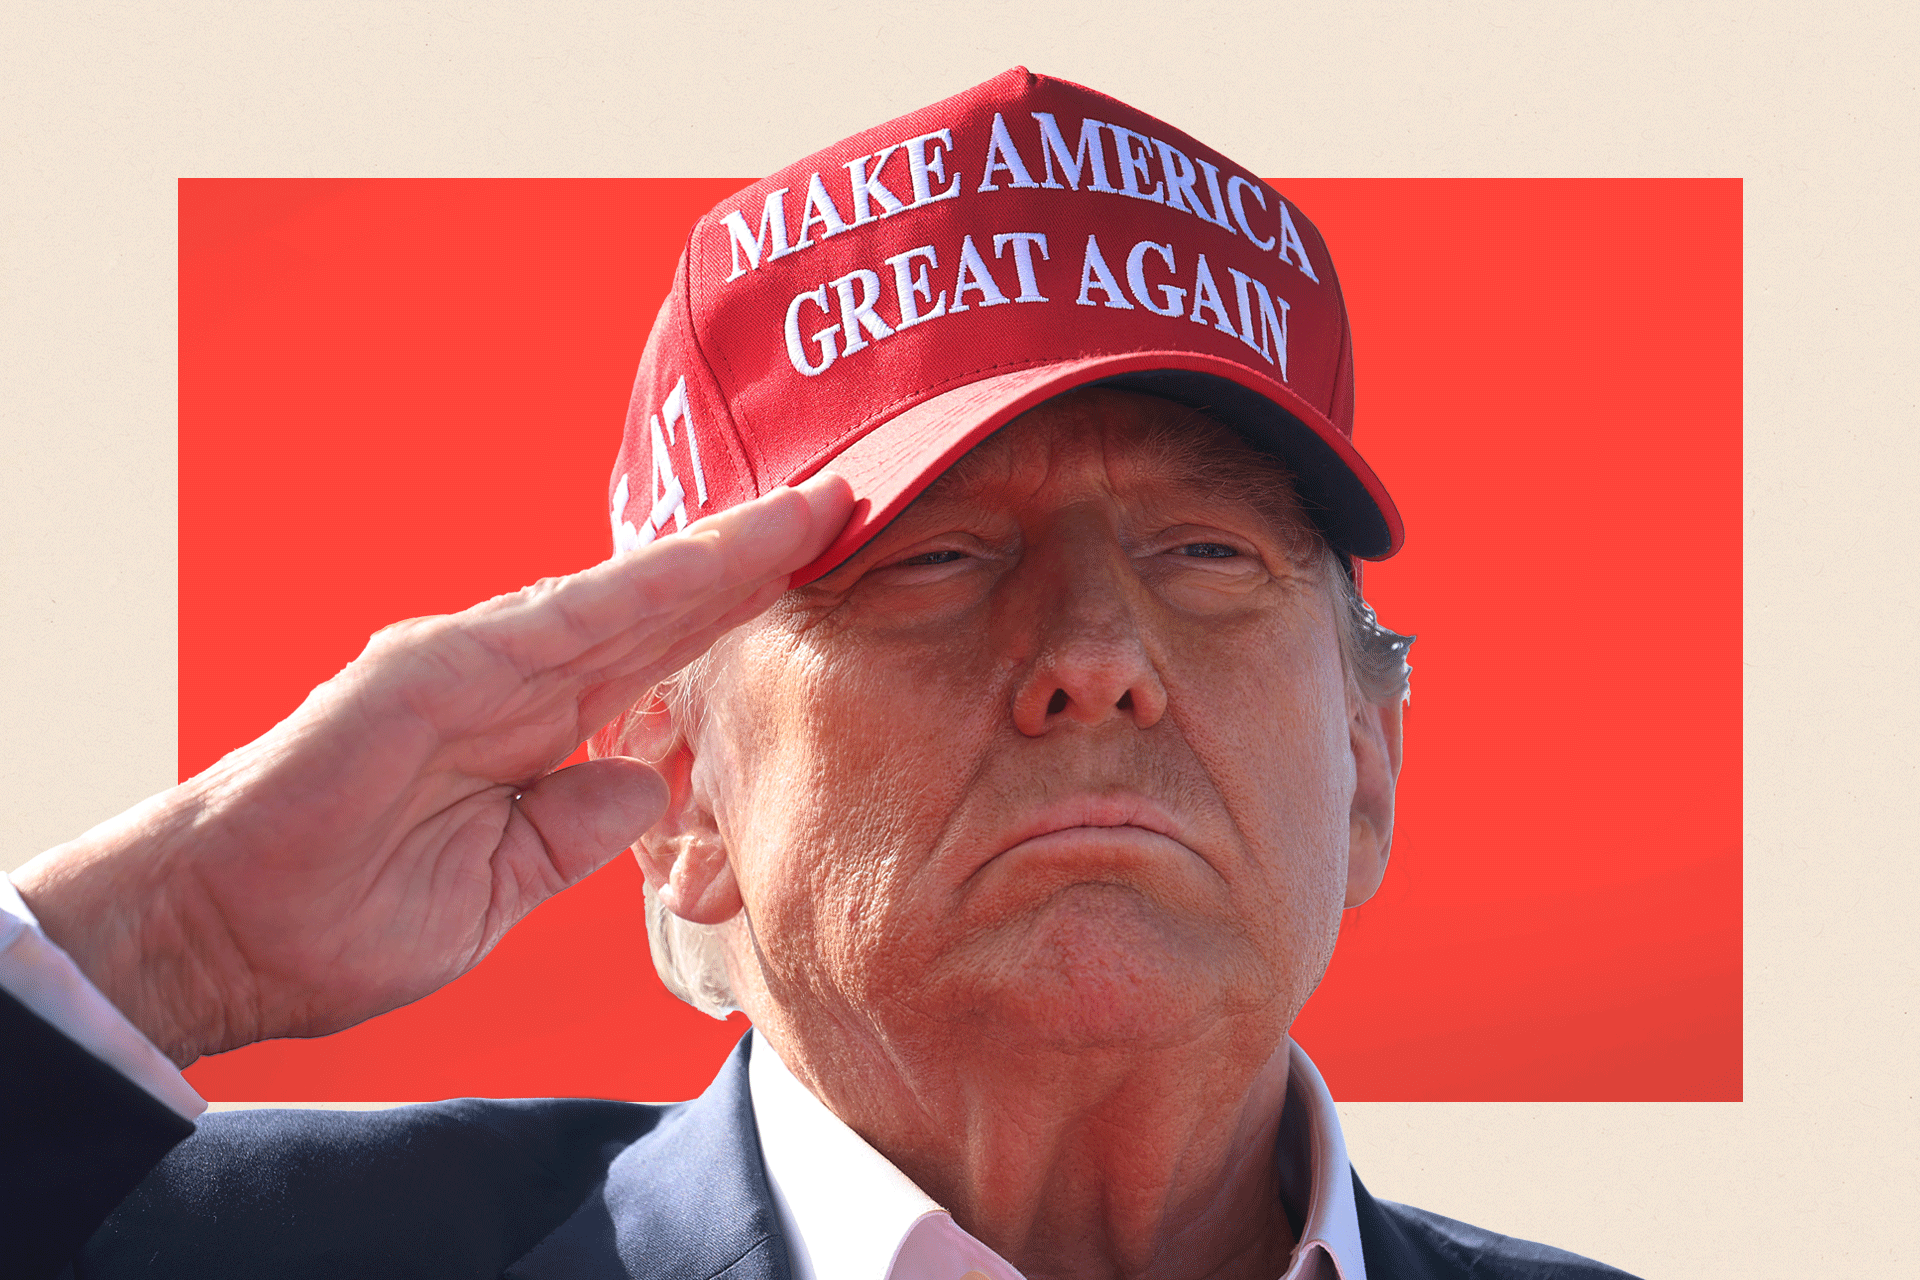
1091 662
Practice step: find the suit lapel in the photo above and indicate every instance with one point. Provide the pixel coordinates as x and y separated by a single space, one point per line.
688 1201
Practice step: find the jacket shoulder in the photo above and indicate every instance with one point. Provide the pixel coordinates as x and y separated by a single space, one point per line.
1404 1243
458 1188
1452 1248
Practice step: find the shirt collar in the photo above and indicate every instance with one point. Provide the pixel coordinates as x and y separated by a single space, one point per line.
849 1214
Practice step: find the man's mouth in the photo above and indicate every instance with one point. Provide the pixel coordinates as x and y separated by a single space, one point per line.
1119 809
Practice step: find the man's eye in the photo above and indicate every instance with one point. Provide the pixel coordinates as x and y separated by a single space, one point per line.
935 557
1208 550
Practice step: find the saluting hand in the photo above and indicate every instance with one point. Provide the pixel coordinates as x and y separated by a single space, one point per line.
379 841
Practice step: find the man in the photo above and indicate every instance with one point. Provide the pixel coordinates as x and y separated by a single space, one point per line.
1031 747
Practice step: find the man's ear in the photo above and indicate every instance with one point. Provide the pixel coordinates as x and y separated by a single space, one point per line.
1375 732
682 856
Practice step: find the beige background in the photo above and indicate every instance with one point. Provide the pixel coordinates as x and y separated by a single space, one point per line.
1815 1173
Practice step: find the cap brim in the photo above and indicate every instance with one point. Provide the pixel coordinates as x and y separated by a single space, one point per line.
890 465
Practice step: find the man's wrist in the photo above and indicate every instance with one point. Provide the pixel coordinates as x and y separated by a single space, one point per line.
43 979
111 900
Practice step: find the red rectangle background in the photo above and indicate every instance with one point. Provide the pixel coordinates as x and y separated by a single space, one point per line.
401 397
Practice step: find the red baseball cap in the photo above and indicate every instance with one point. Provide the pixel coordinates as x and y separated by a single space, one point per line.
882 306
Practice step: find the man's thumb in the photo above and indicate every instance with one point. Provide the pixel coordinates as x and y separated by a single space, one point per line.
590 812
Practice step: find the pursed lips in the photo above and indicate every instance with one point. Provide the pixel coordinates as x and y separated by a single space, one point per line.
1121 810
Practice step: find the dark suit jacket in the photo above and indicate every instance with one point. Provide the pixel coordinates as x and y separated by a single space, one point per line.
547 1189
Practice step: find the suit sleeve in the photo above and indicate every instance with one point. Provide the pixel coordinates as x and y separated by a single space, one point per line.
75 1137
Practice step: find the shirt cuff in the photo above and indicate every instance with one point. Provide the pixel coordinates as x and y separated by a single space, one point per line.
44 978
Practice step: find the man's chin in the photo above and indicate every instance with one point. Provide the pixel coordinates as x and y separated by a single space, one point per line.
1086 977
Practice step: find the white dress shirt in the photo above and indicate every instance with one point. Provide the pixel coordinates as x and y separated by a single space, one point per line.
849 1214
45 979
846 1211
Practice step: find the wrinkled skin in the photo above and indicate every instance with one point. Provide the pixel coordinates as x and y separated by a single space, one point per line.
380 840
1029 830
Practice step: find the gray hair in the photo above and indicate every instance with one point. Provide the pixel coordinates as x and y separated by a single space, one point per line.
691 958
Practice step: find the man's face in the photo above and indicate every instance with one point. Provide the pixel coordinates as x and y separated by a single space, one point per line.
1066 755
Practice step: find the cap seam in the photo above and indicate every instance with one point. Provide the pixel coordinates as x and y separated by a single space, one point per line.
700 349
